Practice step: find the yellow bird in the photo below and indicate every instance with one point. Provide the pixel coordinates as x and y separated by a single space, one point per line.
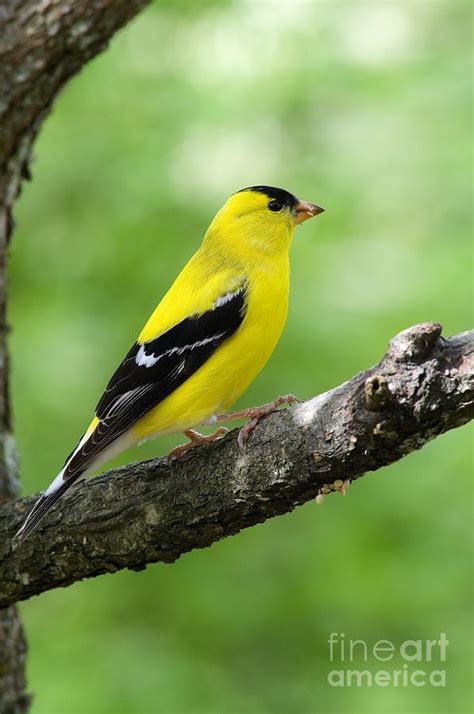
204 344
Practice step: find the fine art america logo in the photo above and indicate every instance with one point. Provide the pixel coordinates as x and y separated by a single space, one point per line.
419 662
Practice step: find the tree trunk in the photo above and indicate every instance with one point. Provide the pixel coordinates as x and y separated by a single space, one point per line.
42 44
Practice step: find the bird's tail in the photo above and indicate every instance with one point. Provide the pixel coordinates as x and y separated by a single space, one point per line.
74 467
88 455
58 487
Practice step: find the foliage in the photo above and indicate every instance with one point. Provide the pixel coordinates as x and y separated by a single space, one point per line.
364 108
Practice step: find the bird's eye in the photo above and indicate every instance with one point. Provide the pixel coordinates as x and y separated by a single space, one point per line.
275 206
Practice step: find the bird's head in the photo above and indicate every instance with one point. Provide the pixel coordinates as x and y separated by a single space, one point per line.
263 217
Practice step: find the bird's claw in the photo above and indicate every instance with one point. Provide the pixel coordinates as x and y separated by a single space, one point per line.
256 413
195 439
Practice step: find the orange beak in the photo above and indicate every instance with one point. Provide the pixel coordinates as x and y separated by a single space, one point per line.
305 210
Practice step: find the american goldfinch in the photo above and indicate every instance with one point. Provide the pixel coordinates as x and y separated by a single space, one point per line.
204 344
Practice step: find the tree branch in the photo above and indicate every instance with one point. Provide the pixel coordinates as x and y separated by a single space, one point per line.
149 512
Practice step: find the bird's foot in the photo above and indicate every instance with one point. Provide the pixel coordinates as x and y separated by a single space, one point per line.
195 439
254 414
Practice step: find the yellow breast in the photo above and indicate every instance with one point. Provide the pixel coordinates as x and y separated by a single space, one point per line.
226 375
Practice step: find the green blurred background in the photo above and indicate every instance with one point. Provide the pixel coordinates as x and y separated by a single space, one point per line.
365 108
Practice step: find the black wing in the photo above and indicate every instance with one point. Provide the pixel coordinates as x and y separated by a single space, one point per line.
152 371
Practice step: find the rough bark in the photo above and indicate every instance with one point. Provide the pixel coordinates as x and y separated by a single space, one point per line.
42 44
149 512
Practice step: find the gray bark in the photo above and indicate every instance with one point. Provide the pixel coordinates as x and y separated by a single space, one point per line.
42 44
149 512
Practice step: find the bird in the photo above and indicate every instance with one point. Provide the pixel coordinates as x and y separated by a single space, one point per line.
204 344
